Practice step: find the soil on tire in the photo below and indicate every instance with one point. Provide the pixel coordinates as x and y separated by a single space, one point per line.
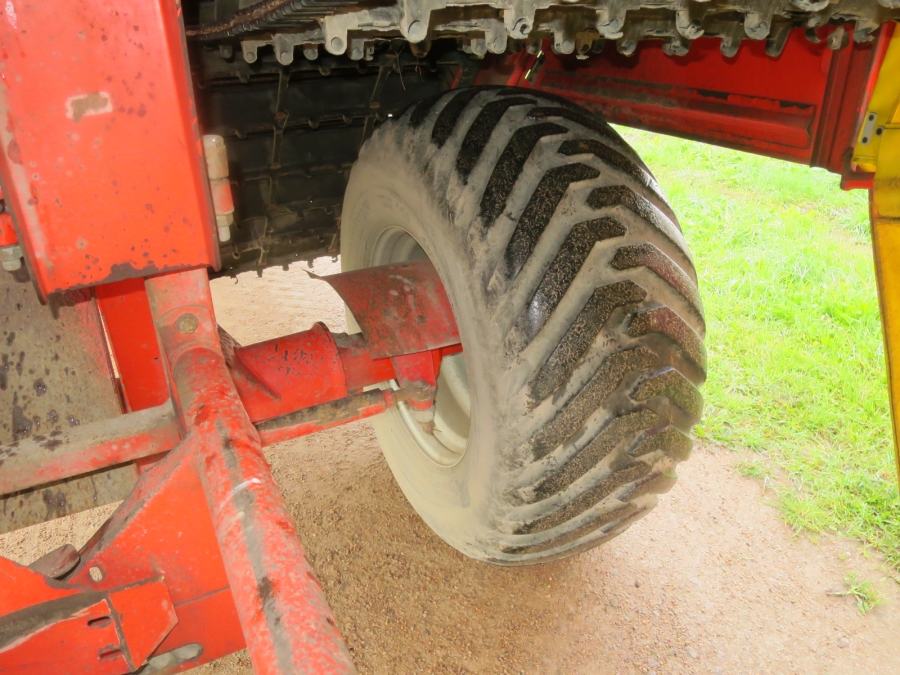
578 307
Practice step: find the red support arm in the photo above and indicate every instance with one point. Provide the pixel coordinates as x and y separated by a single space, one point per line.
126 315
283 614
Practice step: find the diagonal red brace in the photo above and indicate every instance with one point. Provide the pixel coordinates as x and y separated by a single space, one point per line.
285 619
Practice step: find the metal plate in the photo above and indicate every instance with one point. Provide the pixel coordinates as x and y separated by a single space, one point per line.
801 106
102 160
401 308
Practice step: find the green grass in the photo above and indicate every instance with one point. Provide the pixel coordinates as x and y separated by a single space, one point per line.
865 592
752 469
793 332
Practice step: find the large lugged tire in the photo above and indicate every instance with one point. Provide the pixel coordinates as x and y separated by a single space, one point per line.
577 304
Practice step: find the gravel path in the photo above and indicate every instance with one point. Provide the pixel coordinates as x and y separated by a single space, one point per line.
711 582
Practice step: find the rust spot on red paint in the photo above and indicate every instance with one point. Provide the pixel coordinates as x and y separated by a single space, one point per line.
94 103
14 152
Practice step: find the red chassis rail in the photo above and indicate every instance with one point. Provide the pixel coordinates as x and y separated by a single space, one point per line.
225 566
805 105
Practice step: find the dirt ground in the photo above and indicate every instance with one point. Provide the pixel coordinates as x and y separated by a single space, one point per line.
711 582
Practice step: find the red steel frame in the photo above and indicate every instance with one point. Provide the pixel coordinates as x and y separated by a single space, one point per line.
280 606
129 324
100 137
237 576
202 558
805 106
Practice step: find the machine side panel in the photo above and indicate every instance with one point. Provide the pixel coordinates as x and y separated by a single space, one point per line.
101 159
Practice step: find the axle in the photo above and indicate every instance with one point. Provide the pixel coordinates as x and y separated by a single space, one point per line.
290 386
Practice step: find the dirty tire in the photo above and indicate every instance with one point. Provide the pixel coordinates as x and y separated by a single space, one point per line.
577 303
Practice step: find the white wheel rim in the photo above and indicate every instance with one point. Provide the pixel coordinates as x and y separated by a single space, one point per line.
452 419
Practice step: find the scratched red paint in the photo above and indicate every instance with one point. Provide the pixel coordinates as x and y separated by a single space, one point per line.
102 154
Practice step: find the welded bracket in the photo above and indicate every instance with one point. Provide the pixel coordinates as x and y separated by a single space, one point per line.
75 629
884 202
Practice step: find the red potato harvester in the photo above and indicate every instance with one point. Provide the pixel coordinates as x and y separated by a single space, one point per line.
528 333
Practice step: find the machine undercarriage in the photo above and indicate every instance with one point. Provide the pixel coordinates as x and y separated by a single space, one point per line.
531 332
296 88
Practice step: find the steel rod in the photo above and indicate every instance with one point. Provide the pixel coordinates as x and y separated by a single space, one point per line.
334 413
44 459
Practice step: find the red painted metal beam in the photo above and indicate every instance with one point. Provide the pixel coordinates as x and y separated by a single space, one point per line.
23 587
132 338
101 153
40 460
804 105
282 611
328 415
850 86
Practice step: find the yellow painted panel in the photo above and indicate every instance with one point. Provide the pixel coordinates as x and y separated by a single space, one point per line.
884 105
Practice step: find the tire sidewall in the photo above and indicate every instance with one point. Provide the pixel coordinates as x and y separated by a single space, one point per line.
456 502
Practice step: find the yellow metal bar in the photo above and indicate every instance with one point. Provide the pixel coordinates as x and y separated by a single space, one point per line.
884 204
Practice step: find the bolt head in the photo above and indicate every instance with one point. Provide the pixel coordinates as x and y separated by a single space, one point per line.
187 323
416 31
